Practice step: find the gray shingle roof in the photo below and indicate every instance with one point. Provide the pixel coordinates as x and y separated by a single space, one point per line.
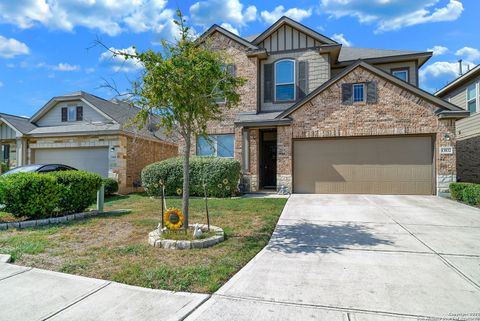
123 113
22 124
349 53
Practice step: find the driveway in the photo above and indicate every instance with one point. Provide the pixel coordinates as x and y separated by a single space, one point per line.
360 257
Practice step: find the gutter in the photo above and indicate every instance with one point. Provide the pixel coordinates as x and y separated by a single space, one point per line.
454 114
264 123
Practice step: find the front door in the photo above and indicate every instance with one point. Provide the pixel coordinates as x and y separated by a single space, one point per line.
268 159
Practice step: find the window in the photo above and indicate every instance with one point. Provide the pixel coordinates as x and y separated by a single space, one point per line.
72 113
285 80
230 69
472 98
216 145
358 93
401 74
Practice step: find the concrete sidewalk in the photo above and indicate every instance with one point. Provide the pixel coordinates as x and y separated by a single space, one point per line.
34 294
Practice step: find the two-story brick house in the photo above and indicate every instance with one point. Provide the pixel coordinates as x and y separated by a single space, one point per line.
317 117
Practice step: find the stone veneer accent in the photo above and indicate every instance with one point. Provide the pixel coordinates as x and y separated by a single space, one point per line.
468 160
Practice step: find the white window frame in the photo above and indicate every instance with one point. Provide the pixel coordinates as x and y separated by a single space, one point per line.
215 145
294 83
406 71
476 97
74 108
363 95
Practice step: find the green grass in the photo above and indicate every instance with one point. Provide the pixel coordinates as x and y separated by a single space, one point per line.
115 247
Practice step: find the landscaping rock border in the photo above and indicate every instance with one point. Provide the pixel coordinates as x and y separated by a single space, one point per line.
56 220
155 239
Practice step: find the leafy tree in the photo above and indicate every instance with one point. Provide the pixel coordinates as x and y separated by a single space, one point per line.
181 86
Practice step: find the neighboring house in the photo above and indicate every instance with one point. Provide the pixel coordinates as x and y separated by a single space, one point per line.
316 117
88 133
465 93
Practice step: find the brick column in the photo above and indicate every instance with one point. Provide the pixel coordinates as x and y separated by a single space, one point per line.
445 163
284 157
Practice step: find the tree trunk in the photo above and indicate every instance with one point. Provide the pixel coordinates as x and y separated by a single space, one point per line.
186 178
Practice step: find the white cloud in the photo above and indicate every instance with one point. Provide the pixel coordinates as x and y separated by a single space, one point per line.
90 70
440 69
230 11
279 11
65 67
393 14
108 16
1 84
230 28
119 63
10 65
10 48
438 50
339 37
470 54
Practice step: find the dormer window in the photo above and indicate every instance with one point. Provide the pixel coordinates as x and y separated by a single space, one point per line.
401 74
72 113
285 80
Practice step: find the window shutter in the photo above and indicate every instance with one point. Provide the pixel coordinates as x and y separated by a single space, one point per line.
268 83
79 113
64 114
347 94
302 84
371 92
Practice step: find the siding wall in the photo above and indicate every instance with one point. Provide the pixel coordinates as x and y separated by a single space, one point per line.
318 73
412 69
288 38
6 132
459 96
468 127
54 116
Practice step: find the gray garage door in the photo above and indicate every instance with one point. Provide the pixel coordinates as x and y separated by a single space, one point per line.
93 160
400 165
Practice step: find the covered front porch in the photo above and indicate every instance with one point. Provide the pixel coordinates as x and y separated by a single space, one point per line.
12 145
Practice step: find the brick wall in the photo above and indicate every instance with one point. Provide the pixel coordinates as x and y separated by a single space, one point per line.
468 160
138 153
397 112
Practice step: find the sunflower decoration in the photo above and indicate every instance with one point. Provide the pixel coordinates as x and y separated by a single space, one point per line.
179 191
173 218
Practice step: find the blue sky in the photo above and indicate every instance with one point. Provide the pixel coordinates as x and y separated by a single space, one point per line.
46 45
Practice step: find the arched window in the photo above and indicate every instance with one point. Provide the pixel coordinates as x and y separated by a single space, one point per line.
285 80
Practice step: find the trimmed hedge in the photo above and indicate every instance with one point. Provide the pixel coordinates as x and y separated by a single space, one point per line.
220 174
44 195
466 192
29 194
78 190
111 186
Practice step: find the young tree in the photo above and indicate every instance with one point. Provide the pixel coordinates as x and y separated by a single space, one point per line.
181 85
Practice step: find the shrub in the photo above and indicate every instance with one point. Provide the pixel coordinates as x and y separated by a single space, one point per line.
456 190
29 194
220 174
465 192
3 168
471 194
111 186
78 190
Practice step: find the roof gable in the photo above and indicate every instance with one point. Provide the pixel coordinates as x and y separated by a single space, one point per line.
21 125
216 28
445 107
294 34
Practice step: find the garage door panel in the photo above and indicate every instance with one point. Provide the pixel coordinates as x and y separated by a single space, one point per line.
364 165
93 160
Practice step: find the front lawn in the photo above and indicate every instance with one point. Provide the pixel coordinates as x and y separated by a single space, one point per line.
115 247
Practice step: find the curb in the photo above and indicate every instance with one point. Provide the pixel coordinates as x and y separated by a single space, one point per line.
5 258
